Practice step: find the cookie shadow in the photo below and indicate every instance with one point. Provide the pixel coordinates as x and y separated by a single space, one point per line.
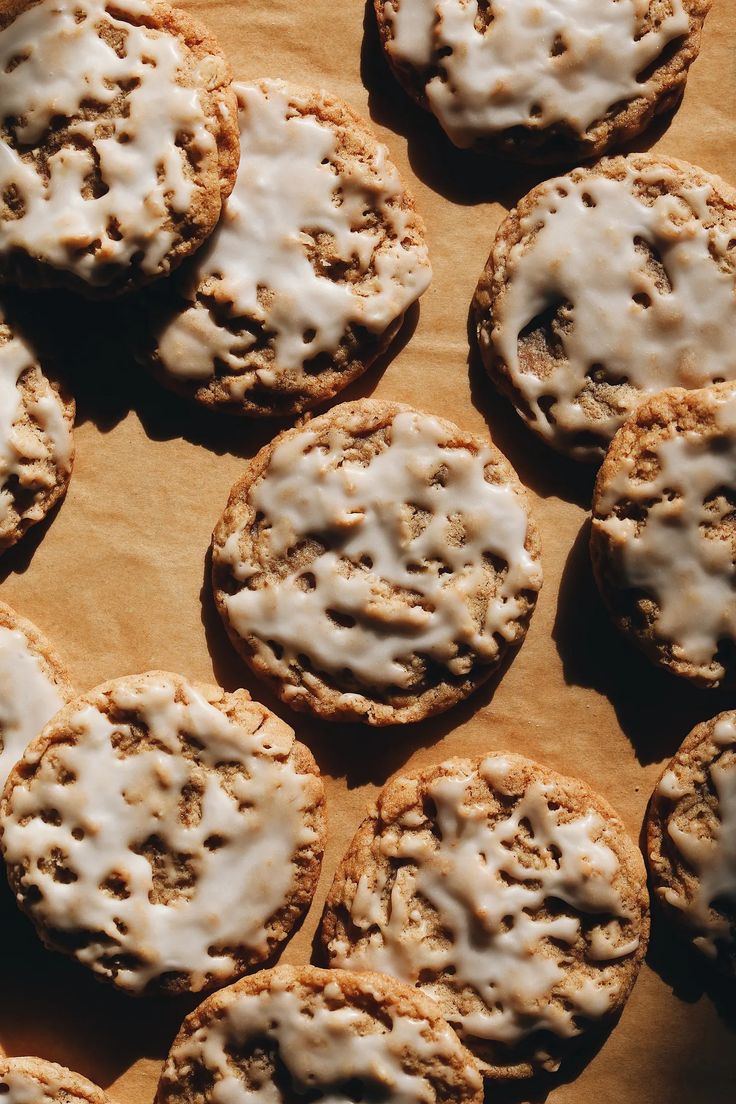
655 709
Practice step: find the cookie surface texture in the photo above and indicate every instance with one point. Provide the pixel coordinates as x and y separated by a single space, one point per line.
663 532
606 285
376 564
290 1032
542 80
36 446
509 894
691 839
34 686
35 1081
317 256
168 836
119 139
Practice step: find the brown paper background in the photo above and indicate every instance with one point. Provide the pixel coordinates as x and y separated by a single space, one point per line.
118 579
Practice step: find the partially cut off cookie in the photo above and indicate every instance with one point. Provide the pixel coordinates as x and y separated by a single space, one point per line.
34 685
168 836
36 446
509 894
605 286
35 1081
691 840
119 140
294 1033
318 254
376 564
663 536
542 79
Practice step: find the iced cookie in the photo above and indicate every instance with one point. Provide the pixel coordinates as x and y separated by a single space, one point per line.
33 686
542 79
118 141
36 447
318 254
509 894
35 1081
376 564
663 537
604 286
167 835
691 839
294 1033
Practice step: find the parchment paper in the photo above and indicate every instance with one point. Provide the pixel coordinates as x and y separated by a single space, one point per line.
118 579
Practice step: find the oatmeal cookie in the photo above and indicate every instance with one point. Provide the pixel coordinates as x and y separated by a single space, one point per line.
35 1081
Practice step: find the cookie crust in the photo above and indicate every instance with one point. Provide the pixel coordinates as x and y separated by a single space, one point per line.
57 1084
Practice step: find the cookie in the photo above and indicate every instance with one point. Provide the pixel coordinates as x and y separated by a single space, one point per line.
35 1081
318 254
168 836
34 686
604 286
664 533
691 839
509 894
376 564
539 79
36 447
119 141
290 1033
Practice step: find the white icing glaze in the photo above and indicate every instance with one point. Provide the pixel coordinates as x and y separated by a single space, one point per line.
24 1089
586 251
512 73
240 850
53 62
487 901
307 491
674 554
28 698
286 193
324 1044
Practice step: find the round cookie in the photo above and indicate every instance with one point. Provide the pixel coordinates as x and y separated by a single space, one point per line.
511 895
376 564
541 79
119 141
169 836
35 1081
691 839
606 285
36 446
292 1032
305 281
663 535
34 686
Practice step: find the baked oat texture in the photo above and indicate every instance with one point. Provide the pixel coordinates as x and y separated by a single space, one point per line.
376 564
36 1081
509 894
36 446
663 532
167 835
691 840
546 81
604 286
120 138
329 1034
305 282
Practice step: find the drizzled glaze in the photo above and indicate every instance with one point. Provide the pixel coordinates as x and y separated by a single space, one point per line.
28 697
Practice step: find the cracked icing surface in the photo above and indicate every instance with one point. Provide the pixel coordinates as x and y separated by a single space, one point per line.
36 448
318 1032
605 285
663 531
35 1081
108 168
317 255
509 894
692 838
165 835
380 551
